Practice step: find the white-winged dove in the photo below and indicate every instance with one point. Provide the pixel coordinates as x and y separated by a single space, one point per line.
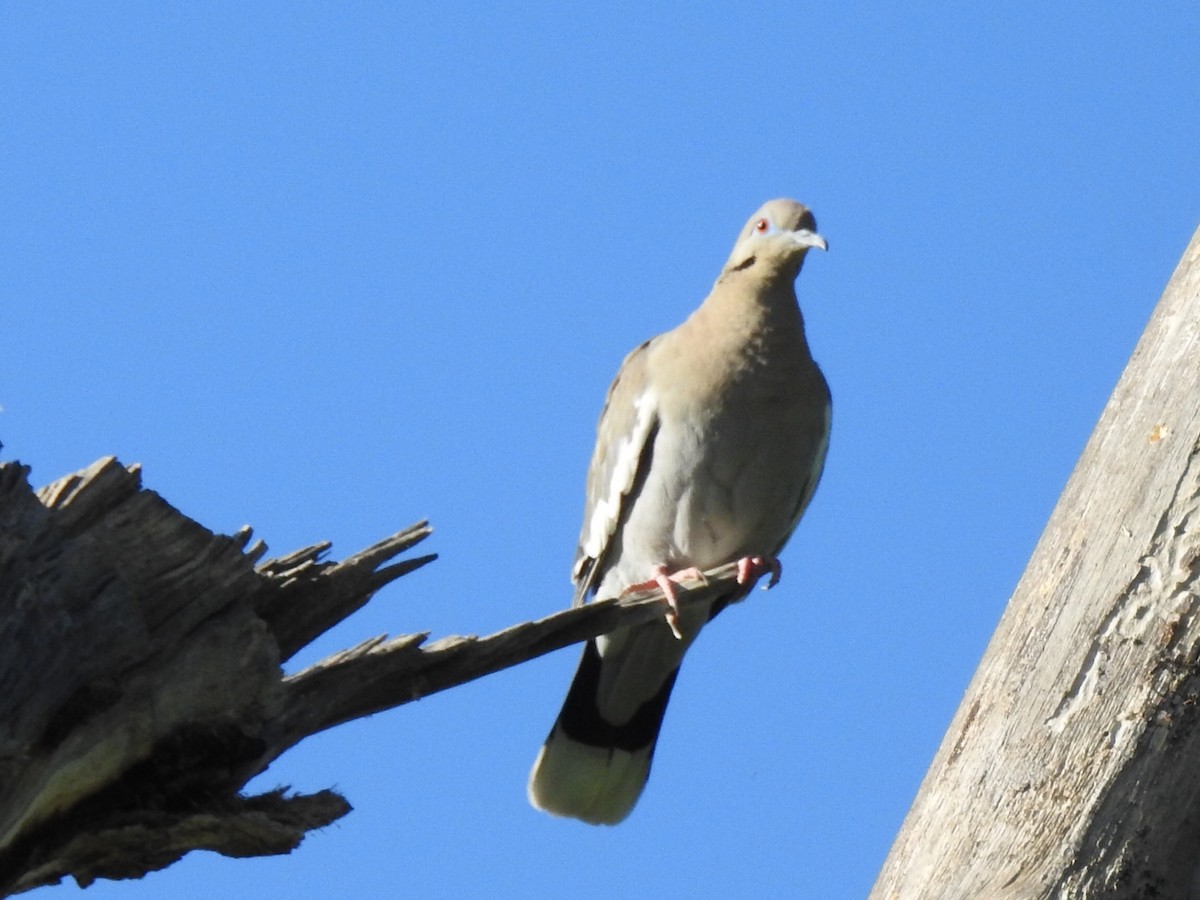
709 448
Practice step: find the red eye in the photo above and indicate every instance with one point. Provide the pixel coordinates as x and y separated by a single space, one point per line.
761 225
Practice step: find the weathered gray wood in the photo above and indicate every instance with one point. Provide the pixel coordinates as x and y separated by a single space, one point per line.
379 674
1072 768
140 678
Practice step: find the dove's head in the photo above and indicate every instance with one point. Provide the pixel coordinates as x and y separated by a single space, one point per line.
776 239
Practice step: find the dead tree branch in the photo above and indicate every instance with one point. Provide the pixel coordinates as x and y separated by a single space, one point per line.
141 681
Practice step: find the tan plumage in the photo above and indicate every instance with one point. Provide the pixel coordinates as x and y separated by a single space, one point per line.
709 448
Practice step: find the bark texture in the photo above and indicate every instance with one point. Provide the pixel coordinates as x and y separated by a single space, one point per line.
1072 767
141 680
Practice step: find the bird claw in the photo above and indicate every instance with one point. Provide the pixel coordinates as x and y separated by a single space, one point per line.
752 568
665 580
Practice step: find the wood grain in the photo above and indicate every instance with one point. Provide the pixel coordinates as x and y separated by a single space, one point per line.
1072 768
141 679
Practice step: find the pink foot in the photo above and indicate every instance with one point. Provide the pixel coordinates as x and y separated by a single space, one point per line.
752 568
665 580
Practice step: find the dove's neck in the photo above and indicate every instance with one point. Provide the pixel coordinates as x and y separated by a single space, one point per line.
758 297
752 320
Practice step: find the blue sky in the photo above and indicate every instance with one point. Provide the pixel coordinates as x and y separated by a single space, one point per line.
328 269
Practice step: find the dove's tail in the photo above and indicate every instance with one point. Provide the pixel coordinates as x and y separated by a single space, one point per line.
596 760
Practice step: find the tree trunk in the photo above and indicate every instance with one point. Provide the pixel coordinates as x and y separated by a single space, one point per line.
141 683
1072 767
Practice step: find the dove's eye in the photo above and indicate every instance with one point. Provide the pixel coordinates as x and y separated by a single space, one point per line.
761 226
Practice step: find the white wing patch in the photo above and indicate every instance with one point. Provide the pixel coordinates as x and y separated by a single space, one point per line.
628 454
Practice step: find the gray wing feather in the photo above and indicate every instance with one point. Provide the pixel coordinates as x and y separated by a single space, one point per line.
624 446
